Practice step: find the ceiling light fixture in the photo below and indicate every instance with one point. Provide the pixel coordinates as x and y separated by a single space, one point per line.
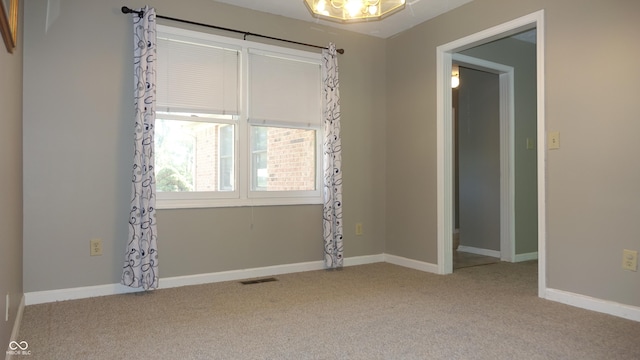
353 10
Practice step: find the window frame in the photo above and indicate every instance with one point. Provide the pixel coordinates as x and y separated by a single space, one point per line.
243 195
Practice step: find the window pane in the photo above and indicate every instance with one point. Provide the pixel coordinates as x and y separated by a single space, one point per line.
225 170
259 134
283 159
194 156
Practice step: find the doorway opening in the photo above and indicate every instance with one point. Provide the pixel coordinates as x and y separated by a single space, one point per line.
445 55
483 169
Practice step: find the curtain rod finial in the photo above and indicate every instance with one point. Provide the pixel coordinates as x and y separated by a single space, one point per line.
127 10
340 51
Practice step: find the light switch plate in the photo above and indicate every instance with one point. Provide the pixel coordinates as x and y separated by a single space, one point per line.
630 260
531 144
553 140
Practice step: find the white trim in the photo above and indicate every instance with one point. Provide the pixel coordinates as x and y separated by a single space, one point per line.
444 161
526 257
47 296
232 275
479 251
412 264
16 327
507 166
541 156
444 135
41 297
594 304
481 64
163 204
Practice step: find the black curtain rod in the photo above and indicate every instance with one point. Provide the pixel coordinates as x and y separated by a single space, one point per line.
126 10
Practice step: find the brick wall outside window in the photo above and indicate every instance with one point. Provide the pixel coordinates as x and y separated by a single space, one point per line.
290 152
291 159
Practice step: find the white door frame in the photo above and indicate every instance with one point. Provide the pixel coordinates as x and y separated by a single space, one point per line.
444 55
507 173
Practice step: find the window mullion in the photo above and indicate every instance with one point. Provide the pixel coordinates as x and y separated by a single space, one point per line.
243 143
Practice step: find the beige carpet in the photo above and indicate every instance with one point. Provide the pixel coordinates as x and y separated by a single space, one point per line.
378 311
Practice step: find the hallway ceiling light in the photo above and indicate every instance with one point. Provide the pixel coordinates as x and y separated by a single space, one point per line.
455 76
353 10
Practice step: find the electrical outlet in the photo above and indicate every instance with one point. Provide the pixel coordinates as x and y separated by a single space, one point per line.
358 229
630 260
95 247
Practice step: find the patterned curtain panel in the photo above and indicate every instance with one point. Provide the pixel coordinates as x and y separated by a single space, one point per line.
332 152
141 263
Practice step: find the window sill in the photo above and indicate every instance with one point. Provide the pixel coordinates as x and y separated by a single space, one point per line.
163 204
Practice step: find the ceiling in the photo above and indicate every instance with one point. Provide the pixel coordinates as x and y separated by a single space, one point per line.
416 12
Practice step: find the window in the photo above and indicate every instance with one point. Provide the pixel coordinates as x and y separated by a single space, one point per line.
237 123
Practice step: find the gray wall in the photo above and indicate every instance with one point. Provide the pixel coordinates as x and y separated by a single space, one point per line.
591 181
478 148
10 185
78 117
522 57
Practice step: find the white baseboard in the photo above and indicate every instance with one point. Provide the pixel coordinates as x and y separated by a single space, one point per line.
363 260
232 275
594 304
526 257
410 263
479 251
16 327
47 296
41 297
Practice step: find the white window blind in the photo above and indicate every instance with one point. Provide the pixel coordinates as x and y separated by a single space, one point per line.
195 76
284 91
